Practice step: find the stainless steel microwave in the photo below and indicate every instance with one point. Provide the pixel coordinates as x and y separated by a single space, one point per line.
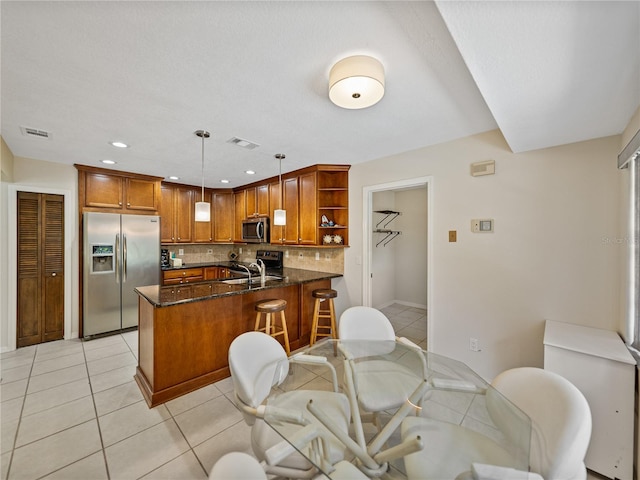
255 230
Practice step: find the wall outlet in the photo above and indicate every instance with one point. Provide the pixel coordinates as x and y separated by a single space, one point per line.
286 254
473 344
317 255
240 250
181 251
453 236
209 251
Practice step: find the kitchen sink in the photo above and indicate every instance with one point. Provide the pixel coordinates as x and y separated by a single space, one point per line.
254 279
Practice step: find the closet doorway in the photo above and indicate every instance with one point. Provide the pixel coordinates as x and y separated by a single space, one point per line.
40 275
396 254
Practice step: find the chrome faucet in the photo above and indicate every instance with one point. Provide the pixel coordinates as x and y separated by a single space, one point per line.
248 272
261 269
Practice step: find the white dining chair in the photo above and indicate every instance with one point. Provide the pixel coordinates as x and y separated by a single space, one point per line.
379 385
237 466
560 420
559 436
242 466
258 363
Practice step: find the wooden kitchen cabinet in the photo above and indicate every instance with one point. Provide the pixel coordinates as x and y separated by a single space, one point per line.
117 192
240 209
290 204
257 201
275 204
182 275
177 213
211 273
307 209
203 231
299 200
223 214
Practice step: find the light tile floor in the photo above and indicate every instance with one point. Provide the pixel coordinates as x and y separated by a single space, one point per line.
71 410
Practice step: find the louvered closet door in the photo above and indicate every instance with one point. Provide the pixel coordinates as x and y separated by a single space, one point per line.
40 268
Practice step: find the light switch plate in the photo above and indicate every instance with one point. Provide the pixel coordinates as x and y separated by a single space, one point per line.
482 225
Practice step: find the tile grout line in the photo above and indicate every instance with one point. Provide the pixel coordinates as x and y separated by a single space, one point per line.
95 409
24 399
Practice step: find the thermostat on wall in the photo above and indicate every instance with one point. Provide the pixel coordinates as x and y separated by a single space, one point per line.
484 225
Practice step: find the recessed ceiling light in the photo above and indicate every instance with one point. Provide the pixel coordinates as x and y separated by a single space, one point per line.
224 181
119 144
250 172
173 177
108 162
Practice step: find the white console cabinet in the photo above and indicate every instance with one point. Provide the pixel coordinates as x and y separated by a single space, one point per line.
599 364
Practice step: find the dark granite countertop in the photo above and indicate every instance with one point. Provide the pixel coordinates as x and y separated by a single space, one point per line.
164 296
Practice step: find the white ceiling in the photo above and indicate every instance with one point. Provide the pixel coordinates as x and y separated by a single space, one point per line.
151 73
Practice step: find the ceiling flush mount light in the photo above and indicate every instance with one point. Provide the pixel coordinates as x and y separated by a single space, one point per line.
250 172
108 162
356 82
280 216
119 144
224 180
203 209
173 177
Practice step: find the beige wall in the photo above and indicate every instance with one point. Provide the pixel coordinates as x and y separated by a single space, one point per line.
6 161
553 255
6 165
624 327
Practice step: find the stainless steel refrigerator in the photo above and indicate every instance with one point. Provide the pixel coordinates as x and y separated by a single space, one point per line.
121 252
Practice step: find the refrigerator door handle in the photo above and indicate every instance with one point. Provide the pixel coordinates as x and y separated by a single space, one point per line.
118 258
124 258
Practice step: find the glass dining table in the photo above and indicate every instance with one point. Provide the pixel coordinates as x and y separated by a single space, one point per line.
449 417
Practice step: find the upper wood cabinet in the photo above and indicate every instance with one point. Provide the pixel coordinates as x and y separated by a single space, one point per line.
118 192
223 216
299 200
275 204
307 195
257 201
203 231
290 205
240 210
307 209
176 214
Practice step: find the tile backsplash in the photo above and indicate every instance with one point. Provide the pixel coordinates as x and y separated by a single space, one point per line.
328 259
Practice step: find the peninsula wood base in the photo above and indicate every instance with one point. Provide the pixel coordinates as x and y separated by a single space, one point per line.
185 346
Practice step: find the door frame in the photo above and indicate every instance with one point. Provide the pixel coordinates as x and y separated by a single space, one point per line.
367 238
12 268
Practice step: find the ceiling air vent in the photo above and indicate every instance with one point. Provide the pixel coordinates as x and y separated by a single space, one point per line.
243 143
34 132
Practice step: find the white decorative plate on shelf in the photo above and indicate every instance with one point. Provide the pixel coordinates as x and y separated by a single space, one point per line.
326 239
337 239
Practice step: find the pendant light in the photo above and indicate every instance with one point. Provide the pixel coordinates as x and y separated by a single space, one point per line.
203 209
280 216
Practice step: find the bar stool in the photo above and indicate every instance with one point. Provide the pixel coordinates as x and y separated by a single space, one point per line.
272 307
328 329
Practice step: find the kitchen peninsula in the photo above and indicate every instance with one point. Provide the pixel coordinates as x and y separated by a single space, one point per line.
185 330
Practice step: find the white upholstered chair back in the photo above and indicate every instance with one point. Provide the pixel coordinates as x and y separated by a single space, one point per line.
560 420
257 362
365 323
